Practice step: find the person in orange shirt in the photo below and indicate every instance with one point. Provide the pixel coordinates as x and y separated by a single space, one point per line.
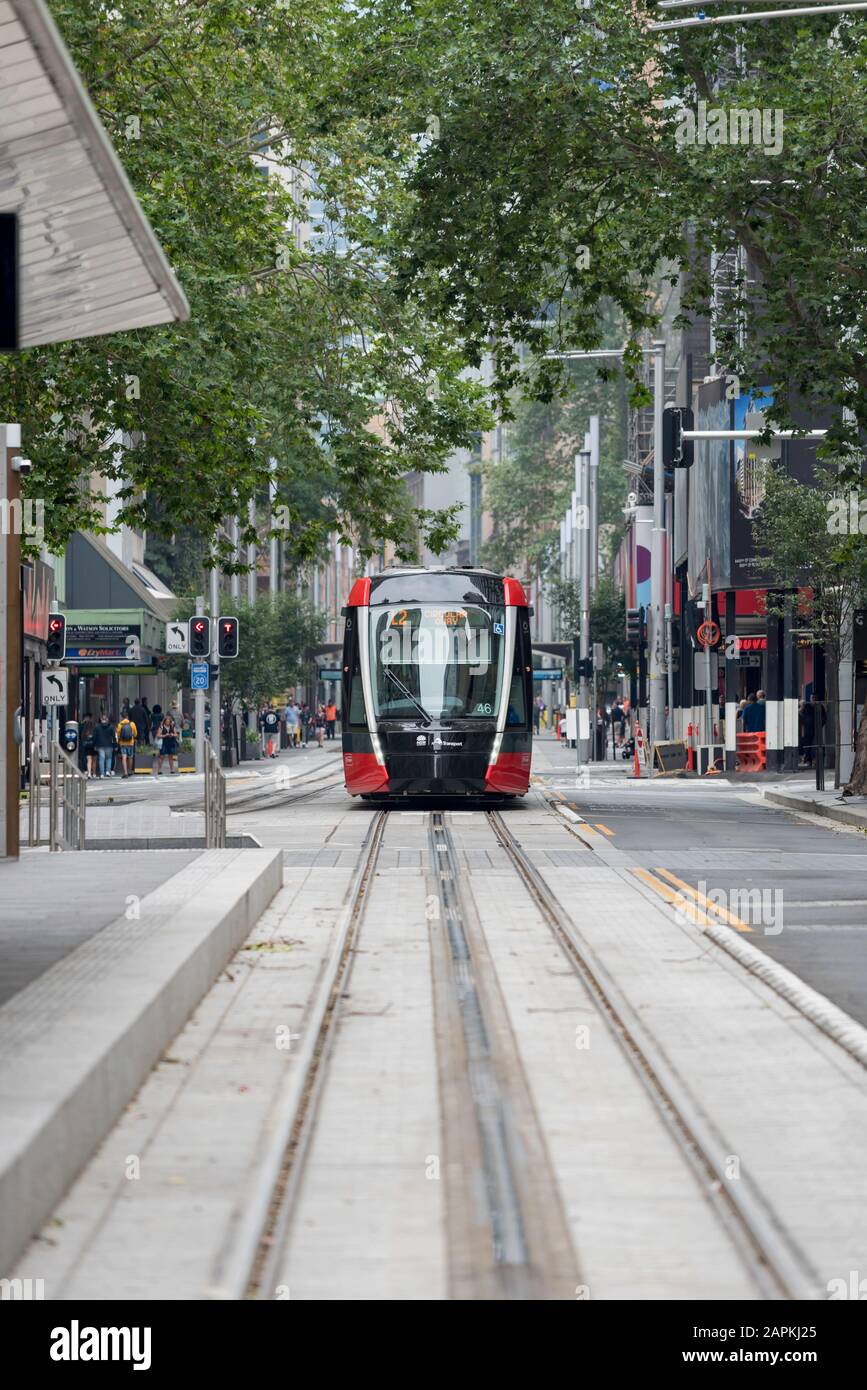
330 718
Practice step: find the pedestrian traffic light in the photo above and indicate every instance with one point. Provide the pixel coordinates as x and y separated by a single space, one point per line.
677 452
634 617
56 644
200 636
227 638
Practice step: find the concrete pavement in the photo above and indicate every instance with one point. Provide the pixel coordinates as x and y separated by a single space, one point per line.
370 1216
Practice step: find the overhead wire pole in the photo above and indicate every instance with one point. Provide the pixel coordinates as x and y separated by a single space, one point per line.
200 705
706 21
656 729
582 702
657 582
214 659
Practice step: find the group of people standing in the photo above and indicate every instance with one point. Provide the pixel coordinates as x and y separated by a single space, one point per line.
105 742
302 722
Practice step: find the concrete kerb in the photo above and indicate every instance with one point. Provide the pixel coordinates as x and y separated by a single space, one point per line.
855 815
76 1045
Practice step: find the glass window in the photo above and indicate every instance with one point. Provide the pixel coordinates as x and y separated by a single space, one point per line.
448 658
516 715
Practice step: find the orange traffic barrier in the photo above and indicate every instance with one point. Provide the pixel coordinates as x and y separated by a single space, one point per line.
752 752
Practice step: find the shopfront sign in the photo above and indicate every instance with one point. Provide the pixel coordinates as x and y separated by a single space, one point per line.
103 644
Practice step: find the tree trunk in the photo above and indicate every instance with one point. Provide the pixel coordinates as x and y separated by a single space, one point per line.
857 784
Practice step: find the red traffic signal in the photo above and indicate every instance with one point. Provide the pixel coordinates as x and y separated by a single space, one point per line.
200 636
56 644
227 638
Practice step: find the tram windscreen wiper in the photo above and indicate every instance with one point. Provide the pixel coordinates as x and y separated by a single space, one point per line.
395 680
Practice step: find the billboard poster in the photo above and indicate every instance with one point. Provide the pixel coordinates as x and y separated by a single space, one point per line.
749 465
709 489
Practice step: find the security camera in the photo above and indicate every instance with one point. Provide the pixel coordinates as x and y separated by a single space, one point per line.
20 465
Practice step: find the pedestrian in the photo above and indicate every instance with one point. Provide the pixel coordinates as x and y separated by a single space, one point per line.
126 736
141 719
270 728
330 717
320 726
760 702
167 741
752 715
306 723
86 743
104 743
156 721
617 721
293 723
537 713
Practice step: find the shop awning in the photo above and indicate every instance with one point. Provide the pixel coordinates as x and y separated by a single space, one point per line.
89 262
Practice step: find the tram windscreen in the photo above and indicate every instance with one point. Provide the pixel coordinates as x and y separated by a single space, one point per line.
449 658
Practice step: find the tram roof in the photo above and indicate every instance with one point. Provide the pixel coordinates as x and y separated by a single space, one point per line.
437 584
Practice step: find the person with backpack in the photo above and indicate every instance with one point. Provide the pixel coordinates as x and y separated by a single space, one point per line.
320 725
167 742
126 736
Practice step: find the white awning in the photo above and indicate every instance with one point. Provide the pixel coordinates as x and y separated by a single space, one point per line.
89 261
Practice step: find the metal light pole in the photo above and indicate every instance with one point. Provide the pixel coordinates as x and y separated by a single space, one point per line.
594 502
656 730
583 702
216 702
274 576
236 556
252 553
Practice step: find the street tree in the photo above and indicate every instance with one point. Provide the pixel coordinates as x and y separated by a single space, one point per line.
573 157
816 570
300 349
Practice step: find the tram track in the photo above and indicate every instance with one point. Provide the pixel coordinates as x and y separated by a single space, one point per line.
507 1233
508 1237
779 1269
249 1254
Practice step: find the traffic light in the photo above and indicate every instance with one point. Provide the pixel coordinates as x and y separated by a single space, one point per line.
677 452
227 640
200 636
634 626
56 637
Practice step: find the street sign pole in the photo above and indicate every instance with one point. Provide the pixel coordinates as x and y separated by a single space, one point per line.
10 641
655 730
200 704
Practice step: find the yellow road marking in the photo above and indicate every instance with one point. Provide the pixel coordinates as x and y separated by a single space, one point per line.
707 903
604 829
690 909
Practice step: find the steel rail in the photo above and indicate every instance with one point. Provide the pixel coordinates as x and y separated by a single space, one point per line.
258 1227
511 1252
779 1268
